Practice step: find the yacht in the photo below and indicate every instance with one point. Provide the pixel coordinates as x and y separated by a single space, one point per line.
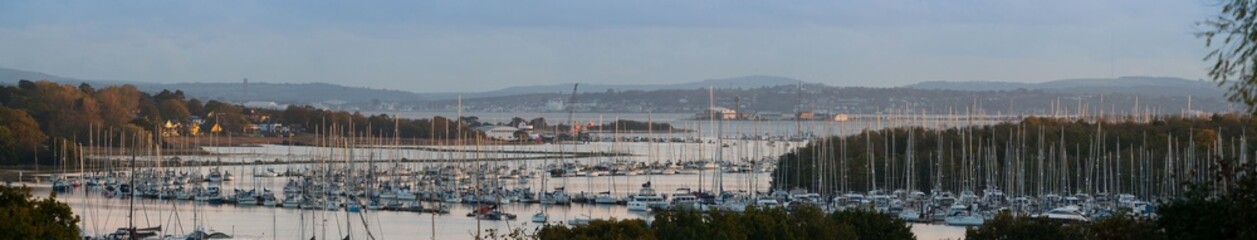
648 198
560 196
605 198
960 215
682 198
1066 213
540 217
580 220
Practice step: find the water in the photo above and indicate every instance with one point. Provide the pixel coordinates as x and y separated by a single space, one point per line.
102 215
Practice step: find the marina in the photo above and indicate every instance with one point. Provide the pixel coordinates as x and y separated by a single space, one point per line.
317 191
460 190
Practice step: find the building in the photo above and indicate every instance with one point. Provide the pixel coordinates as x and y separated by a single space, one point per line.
805 115
718 113
841 117
499 132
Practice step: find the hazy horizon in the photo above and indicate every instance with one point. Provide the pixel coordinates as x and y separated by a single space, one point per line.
468 47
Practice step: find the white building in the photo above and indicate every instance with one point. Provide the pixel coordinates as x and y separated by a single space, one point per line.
499 132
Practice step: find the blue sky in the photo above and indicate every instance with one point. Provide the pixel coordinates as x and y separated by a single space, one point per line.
486 45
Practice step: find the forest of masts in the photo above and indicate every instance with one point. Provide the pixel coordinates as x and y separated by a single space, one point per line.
1151 157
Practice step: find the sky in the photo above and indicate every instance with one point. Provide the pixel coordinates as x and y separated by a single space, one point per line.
462 46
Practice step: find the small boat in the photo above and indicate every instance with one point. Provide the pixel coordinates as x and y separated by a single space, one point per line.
491 212
134 233
580 220
269 172
1067 213
605 198
201 233
959 215
540 217
292 202
635 205
353 207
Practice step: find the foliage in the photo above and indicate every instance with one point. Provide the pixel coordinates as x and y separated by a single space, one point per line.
381 125
807 222
1201 214
598 229
1234 50
19 135
118 104
25 217
61 110
35 114
1007 227
874 225
1121 227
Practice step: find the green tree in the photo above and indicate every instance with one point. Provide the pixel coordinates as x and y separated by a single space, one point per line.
1121 227
598 229
23 127
173 110
195 107
1203 214
874 225
26 217
1008 227
62 110
1233 56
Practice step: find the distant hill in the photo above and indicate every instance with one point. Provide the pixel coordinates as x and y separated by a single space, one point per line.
12 76
1150 86
286 93
289 92
753 81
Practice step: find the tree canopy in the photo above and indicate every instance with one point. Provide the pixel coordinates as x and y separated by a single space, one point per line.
26 217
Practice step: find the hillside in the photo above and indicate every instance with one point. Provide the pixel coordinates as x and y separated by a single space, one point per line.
286 93
1146 86
754 81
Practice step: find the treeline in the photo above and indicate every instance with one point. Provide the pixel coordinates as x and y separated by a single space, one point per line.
44 122
540 124
1033 156
807 222
381 125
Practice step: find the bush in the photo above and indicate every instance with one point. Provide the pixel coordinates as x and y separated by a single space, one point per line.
25 217
598 229
874 225
1008 227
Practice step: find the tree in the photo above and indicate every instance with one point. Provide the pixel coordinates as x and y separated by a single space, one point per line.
516 121
873 225
231 117
1233 40
62 110
598 229
538 123
521 135
26 217
118 104
195 107
1202 214
1121 227
24 128
1008 227
173 110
